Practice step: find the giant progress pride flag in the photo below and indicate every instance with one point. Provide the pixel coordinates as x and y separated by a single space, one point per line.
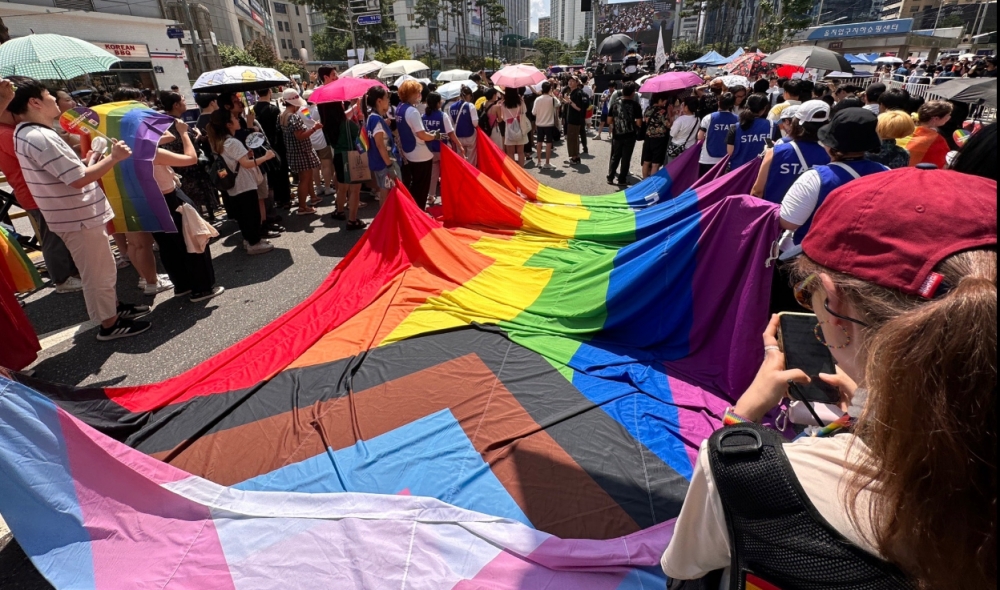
510 398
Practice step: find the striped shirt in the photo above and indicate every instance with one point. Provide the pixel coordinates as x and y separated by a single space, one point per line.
49 165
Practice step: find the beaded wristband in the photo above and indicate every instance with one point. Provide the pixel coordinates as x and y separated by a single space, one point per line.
731 417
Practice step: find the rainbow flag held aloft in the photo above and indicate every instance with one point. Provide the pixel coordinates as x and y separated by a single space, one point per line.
669 182
135 198
512 402
15 265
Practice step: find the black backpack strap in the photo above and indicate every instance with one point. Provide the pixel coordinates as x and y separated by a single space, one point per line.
775 533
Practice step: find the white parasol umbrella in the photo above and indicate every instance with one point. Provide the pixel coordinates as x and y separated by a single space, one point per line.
453 75
515 76
453 89
968 56
734 80
888 59
363 69
403 66
239 79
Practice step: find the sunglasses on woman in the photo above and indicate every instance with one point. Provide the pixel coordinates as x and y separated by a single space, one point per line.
803 295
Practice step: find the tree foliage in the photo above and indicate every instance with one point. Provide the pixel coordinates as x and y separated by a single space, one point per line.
547 49
777 28
231 55
338 15
393 53
330 47
687 51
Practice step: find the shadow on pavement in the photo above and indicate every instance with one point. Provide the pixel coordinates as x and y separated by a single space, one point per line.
16 570
236 268
169 319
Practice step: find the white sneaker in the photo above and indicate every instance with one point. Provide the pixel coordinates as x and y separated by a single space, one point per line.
261 247
159 277
162 284
70 285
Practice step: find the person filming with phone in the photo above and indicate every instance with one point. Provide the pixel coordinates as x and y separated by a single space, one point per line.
901 272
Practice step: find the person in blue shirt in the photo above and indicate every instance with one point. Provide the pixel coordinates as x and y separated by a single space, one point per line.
437 121
748 139
783 165
383 155
714 129
463 113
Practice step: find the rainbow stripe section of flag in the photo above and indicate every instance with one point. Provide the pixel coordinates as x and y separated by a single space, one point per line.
130 187
16 265
669 182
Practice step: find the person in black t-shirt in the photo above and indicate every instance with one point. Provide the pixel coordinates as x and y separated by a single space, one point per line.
626 118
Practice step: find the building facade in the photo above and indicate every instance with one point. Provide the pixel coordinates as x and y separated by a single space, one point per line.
134 31
292 30
544 26
568 23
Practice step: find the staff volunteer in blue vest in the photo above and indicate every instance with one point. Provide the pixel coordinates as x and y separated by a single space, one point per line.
463 113
438 121
748 139
714 129
783 129
383 157
848 136
783 165
906 300
418 160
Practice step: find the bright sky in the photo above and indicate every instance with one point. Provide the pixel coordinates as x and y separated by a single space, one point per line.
538 8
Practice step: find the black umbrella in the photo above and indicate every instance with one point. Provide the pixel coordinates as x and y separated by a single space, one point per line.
614 44
970 90
810 56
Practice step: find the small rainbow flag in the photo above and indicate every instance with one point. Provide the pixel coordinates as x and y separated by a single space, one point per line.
363 144
305 112
134 196
15 265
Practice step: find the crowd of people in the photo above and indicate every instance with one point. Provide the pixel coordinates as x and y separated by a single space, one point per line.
887 204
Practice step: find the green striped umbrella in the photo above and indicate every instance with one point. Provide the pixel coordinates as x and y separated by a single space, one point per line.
50 57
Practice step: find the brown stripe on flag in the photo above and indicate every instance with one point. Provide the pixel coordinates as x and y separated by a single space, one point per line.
544 480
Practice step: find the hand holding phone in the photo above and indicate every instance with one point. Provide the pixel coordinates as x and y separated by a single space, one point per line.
797 338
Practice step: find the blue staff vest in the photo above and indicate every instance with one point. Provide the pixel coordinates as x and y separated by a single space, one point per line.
461 114
434 122
750 143
375 161
718 128
831 177
786 166
406 135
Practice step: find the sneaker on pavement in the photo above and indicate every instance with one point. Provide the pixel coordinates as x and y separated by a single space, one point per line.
130 311
161 285
123 328
159 277
261 247
204 295
70 285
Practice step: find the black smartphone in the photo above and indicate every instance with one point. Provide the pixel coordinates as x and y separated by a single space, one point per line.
797 337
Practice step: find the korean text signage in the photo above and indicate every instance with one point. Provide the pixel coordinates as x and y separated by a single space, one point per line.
243 6
125 50
884 27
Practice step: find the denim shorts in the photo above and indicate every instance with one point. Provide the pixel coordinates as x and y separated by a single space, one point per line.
382 178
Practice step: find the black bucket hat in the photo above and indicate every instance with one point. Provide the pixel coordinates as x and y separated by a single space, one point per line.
851 130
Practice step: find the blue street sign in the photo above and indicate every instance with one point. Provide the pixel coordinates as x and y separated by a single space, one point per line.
369 19
175 33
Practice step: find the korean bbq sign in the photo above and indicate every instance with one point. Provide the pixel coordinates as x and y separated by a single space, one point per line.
125 50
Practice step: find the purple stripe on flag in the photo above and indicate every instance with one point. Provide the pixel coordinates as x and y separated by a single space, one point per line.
683 170
149 126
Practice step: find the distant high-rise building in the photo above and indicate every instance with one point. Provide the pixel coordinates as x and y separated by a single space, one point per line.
292 30
848 11
569 24
544 26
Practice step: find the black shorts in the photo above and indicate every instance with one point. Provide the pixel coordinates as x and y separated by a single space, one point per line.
545 134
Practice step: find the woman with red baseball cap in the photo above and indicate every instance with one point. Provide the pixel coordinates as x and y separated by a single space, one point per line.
901 271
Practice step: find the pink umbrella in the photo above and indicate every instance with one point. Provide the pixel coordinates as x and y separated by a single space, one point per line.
343 89
671 81
518 75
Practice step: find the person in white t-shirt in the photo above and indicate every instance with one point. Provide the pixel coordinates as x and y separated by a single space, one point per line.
73 205
545 110
684 130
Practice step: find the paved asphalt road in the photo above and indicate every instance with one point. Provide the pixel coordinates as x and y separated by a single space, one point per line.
258 290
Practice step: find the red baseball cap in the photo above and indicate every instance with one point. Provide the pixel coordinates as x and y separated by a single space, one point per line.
893 228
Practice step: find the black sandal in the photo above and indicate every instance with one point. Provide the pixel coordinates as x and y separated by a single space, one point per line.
339 215
356 224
